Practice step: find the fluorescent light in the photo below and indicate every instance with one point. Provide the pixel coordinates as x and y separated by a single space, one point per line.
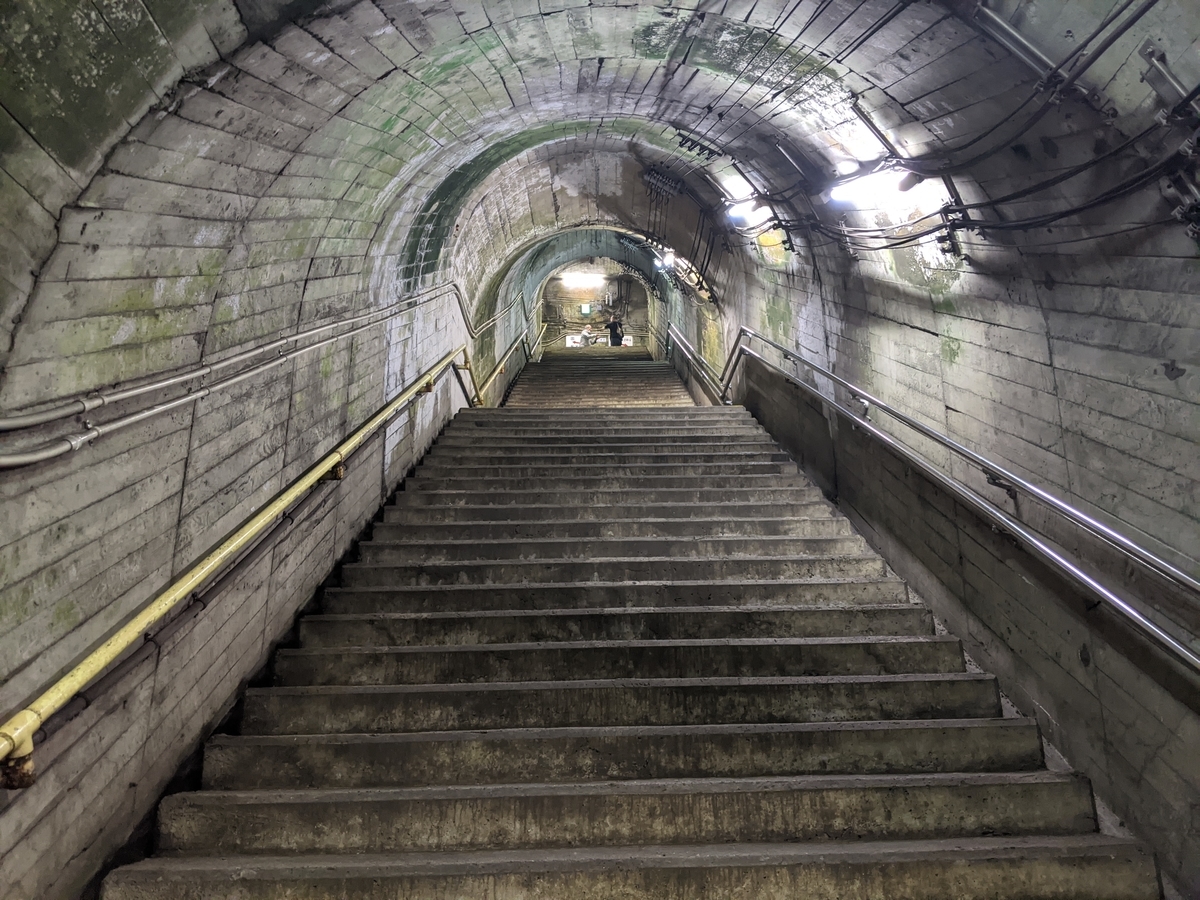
749 212
669 258
734 185
582 280
869 190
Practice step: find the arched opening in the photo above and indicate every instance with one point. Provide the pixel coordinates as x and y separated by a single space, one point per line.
596 298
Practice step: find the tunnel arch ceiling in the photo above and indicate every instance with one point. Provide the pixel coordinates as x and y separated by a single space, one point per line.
368 106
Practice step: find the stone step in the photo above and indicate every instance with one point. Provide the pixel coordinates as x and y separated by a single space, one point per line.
485 454
600 472
676 415
618 451
264 762
639 398
612 389
748 593
466 530
628 623
601 439
615 497
645 421
1051 867
639 568
388 553
598 814
679 658
640 701
585 479
519 512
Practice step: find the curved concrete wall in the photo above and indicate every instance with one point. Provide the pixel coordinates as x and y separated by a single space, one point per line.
185 180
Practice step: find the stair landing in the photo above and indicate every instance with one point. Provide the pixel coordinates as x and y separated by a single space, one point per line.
581 380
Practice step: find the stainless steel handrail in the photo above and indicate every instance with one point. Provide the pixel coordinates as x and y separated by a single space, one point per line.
704 369
990 468
1037 544
79 405
64 444
97 399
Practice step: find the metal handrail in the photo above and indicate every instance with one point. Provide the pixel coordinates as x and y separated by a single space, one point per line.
16 734
993 470
1035 543
499 367
704 370
64 444
80 405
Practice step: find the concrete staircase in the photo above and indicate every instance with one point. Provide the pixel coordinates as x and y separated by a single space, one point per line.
628 655
581 380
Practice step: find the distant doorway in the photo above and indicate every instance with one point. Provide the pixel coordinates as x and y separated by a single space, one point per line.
595 304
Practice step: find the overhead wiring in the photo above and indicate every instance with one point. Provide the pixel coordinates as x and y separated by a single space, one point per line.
942 162
884 239
1042 242
784 95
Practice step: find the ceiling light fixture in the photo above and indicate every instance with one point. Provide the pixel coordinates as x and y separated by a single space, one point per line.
750 212
574 281
868 190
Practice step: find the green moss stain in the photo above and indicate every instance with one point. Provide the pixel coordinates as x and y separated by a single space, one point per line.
910 267
777 314
658 32
71 77
712 344
951 348
433 224
944 306
16 604
65 615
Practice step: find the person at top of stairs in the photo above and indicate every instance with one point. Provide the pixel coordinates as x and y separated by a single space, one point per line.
616 332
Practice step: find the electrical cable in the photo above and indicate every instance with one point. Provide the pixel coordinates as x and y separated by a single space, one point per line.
777 96
1063 176
923 165
707 134
1091 237
1123 187
893 240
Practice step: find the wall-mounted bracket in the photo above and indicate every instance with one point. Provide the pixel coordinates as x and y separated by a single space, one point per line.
846 234
1183 188
337 473
694 146
17 773
996 481
1160 77
1002 32
865 404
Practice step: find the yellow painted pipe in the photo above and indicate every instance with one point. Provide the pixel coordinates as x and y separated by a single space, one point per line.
16 735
